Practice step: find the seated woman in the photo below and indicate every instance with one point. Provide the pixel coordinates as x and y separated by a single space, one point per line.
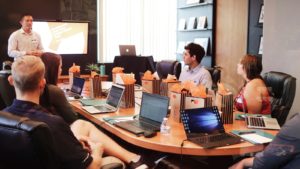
54 100
253 96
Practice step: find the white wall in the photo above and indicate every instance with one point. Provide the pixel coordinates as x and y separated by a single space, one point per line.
281 33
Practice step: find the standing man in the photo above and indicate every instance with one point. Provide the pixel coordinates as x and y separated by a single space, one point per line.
194 71
24 41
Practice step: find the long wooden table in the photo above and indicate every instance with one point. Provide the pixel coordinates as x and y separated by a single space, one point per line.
171 143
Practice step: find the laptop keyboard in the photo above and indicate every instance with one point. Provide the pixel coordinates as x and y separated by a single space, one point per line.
143 125
103 108
256 121
212 138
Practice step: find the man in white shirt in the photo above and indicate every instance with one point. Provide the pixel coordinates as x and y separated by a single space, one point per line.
24 41
194 71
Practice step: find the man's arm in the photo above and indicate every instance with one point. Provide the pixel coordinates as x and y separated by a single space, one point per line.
245 163
40 49
12 47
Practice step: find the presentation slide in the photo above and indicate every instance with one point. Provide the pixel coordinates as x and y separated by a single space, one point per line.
63 37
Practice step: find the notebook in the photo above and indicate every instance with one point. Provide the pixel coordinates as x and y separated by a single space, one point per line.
112 101
76 88
262 122
203 126
127 50
153 109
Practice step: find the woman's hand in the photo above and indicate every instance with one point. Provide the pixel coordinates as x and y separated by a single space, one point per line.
85 143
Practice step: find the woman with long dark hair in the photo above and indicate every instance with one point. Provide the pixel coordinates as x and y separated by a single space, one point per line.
55 101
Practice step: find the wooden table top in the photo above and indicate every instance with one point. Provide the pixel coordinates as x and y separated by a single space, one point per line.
171 143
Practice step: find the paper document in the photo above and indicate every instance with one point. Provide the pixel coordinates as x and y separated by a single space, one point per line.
256 138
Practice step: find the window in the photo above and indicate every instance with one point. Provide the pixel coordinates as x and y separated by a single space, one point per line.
150 25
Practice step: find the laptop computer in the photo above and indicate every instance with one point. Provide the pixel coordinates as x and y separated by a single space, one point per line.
203 126
76 88
153 109
127 50
261 122
112 101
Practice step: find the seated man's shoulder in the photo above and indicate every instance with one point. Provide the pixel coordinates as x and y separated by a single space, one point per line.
291 127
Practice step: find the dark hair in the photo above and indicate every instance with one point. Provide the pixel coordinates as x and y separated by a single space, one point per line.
195 49
24 14
252 66
52 62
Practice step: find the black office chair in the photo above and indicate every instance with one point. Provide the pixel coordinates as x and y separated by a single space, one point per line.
6 65
215 73
166 67
7 92
29 144
25 143
282 89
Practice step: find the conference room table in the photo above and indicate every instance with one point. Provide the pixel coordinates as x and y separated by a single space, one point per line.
175 142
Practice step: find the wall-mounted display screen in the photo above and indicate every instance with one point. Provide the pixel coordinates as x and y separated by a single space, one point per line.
63 37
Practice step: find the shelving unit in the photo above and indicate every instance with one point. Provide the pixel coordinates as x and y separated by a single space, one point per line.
255 29
187 11
196 5
192 30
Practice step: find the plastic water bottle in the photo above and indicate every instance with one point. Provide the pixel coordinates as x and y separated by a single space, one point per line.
102 70
164 128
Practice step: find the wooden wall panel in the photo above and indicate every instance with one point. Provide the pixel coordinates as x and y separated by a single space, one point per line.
231 39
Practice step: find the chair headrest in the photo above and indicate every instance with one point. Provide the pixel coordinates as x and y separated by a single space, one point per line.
6 65
23 123
277 80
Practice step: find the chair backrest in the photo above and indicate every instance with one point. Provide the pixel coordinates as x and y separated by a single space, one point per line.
215 73
166 67
6 65
7 92
25 143
282 88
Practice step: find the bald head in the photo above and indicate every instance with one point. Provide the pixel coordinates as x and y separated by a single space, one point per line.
27 73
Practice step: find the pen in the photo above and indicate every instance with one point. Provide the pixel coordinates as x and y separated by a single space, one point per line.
246 132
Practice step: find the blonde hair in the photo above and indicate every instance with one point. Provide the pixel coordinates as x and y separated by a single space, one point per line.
27 72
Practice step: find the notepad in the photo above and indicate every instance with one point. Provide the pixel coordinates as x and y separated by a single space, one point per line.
258 137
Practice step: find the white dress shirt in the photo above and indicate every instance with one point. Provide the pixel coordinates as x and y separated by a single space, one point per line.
198 75
20 42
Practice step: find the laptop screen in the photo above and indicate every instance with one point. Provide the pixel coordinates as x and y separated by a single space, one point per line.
154 107
127 50
115 95
77 85
202 120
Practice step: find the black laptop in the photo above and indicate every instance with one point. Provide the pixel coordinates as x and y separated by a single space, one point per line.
153 109
76 88
203 126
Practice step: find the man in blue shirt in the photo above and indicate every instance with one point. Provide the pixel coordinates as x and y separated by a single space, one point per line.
283 152
194 71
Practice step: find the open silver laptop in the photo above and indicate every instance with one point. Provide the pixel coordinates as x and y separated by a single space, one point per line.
262 122
112 102
127 50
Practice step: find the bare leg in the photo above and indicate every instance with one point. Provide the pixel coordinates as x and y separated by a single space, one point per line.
85 128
